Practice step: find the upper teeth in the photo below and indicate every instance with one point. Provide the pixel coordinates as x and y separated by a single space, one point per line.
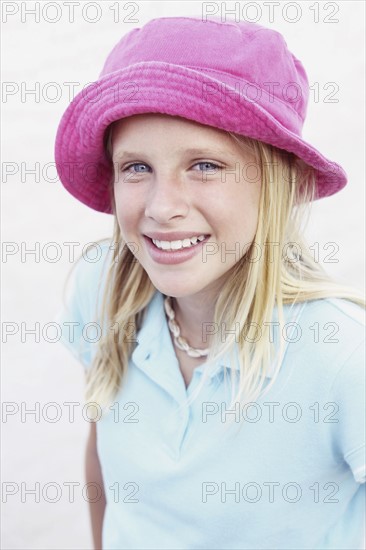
176 245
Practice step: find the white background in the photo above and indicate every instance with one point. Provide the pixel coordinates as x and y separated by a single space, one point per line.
41 212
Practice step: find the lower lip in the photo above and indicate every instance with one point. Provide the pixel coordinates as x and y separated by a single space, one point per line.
176 257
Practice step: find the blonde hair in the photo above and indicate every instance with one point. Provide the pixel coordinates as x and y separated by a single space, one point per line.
252 290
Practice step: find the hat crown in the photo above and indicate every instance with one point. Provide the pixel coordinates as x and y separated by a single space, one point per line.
246 57
237 77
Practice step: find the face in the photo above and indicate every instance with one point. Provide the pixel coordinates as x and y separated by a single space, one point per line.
175 180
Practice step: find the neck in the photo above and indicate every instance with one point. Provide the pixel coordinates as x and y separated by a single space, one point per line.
193 314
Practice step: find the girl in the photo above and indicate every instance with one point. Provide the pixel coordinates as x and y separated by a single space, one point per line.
227 368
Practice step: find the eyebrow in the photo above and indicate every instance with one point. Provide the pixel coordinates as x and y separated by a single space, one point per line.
125 155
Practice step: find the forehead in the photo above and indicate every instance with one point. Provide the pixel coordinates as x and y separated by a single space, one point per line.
156 129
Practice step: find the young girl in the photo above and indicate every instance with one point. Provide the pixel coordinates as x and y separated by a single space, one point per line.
225 366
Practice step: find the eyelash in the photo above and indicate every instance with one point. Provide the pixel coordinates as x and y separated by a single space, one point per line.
216 166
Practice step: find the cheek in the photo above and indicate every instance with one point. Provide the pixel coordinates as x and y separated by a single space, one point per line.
128 211
238 210
127 222
232 214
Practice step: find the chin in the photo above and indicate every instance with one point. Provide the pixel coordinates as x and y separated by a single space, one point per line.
174 288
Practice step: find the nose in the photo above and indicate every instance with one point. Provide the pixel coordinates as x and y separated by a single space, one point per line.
167 199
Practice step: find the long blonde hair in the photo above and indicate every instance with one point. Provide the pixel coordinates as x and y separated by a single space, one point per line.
254 285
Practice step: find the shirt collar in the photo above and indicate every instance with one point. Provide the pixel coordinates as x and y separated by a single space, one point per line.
153 338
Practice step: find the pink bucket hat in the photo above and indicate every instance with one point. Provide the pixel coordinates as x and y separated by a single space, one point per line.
238 77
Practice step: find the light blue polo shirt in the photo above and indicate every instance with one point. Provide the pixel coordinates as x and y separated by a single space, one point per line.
177 477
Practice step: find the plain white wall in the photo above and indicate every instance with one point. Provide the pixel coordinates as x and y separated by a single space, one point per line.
42 212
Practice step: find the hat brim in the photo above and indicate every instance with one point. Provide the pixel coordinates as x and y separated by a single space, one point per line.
157 87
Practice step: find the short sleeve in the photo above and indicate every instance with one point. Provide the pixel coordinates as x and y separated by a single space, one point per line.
79 324
348 392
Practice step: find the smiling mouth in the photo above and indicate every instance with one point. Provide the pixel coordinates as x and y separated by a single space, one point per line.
174 246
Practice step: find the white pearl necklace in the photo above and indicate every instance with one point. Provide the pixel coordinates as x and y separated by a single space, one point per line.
180 342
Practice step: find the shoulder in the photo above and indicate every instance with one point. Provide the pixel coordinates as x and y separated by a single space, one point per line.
345 317
94 261
330 338
88 275
337 307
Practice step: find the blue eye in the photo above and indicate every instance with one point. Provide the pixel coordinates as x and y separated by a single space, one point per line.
136 171
208 165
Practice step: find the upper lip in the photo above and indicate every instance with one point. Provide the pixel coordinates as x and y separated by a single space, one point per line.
173 236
